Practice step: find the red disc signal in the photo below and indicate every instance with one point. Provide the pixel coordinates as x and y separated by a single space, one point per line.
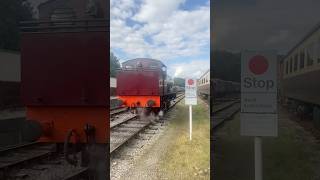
190 82
258 64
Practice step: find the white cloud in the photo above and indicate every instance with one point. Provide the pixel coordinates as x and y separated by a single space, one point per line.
159 29
178 71
192 69
152 10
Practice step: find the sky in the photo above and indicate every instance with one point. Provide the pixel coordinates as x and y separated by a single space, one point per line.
262 24
177 32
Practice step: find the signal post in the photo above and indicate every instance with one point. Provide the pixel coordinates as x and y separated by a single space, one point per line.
259 116
190 99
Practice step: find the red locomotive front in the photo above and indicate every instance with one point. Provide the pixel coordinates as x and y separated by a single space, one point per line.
64 70
142 82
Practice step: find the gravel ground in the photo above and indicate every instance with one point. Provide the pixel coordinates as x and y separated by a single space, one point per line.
125 162
146 157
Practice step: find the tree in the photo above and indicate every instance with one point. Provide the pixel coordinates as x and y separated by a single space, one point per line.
114 65
226 65
179 82
12 12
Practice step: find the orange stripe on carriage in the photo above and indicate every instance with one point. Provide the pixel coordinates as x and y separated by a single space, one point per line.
129 101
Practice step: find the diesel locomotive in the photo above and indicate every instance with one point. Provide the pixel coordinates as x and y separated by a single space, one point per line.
143 82
64 80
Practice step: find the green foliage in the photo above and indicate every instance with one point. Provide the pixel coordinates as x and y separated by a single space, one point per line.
114 65
226 65
11 13
179 82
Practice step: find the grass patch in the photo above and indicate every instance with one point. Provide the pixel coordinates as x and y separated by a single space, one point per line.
287 157
189 159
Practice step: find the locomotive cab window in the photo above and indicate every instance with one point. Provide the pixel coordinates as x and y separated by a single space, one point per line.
63 13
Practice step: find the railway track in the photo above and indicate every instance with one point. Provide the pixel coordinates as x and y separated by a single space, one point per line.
224 111
43 161
128 126
37 161
17 155
118 110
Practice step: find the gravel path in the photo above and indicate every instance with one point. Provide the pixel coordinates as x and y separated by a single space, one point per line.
138 159
164 150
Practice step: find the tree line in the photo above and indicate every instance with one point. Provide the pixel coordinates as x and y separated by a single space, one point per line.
226 65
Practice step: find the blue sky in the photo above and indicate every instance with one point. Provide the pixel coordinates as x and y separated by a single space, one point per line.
177 32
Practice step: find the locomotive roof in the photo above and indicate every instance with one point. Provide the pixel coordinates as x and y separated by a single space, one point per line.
146 62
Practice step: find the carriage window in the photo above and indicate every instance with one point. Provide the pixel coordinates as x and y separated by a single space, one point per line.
290 65
302 59
310 55
295 62
318 50
287 66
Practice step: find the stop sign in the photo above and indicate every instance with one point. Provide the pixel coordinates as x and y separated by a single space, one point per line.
190 82
258 64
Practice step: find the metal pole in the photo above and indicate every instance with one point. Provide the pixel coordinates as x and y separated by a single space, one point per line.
190 121
257 158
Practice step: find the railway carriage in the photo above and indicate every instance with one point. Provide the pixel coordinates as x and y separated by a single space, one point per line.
300 75
222 88
204 85
143 82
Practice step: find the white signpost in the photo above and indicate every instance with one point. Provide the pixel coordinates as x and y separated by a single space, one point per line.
190 99
258 100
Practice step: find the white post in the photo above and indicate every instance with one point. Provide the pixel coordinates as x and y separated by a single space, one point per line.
257 158
190 121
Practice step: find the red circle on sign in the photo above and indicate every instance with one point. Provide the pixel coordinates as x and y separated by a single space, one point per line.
258 64
190 82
